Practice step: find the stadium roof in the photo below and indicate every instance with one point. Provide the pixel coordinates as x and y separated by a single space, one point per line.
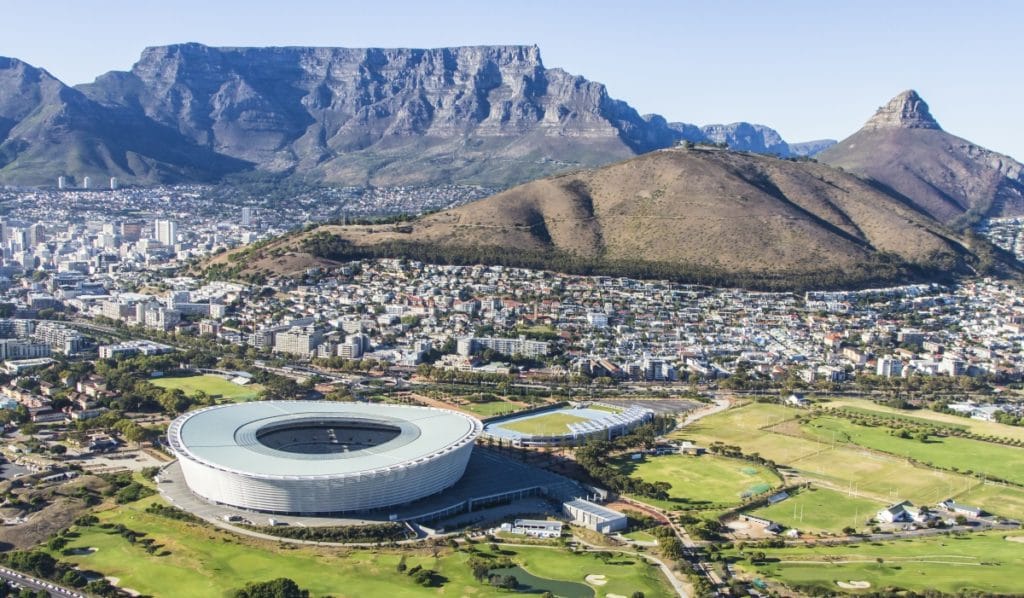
225 437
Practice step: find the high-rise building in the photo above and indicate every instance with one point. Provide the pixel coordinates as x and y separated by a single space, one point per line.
246 216
86 182
36 234
60 182
113 182
131 231
166 231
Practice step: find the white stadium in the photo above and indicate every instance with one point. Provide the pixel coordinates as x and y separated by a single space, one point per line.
318 457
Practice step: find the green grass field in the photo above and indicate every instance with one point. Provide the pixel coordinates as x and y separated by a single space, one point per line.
215 386
491 408
550 424
1005 501
204 561
885 477
1004 462
982 563
742 426
821 510
699 482
773 432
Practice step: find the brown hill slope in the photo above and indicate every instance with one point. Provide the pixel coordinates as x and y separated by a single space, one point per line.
957 182
697 215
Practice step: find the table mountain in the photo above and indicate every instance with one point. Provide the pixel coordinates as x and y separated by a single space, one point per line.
903 148
484 114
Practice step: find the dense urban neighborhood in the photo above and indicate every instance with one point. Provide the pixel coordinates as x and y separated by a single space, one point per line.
687 424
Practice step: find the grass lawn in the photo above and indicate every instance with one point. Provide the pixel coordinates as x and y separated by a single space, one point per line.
1005 501
1004 462
821 510
204 561
215 386
977 426
641 536
885 477
742 426
491 408
699 482
983 563
550 424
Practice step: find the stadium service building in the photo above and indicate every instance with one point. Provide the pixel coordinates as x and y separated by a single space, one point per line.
319 457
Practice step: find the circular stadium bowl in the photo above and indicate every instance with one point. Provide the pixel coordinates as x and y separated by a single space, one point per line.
319 457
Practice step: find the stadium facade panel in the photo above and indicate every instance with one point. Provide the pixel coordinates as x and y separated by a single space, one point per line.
319 457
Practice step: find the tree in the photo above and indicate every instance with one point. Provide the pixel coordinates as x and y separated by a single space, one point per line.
282 587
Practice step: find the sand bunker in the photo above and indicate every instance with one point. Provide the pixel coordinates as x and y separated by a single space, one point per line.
597 580
614 596
1015 539
85 550
854 585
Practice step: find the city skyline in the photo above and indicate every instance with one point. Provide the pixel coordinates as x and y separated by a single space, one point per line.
807 70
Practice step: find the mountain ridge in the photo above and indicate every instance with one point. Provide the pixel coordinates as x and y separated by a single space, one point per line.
701 215
475 114
903 149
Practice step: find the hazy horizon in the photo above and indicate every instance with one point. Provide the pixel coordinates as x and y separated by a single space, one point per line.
807 69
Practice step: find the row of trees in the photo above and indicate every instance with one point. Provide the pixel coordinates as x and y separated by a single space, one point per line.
879 269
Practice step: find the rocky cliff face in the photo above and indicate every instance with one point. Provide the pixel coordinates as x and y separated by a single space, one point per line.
493 115
304 108
905 111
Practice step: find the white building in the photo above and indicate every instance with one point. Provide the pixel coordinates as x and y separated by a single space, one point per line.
166 231
594 516
535 528
889 367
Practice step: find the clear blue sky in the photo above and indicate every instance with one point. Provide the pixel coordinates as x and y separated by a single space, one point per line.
810 69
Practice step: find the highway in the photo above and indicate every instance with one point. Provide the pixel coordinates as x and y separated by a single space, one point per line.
32 583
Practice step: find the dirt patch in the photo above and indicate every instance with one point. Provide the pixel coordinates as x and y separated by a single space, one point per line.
854 585
42 524
596 580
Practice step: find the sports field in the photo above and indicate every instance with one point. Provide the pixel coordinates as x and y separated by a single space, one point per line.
743 426
884 477
203 561
821 510
549 424
985 564
214 386
1004 462
773 432
700 482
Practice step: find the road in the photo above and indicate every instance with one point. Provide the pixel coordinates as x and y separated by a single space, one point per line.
33 583
721 404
